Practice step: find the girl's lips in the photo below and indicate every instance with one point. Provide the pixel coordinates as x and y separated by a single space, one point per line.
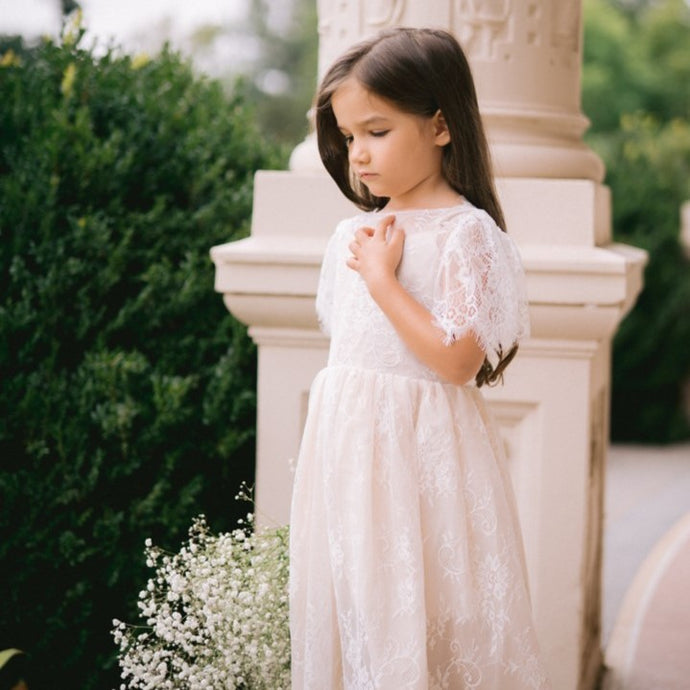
366 175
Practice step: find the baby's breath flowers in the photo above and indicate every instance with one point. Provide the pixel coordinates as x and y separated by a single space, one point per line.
216 614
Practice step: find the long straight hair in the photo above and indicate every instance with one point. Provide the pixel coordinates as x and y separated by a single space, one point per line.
419 71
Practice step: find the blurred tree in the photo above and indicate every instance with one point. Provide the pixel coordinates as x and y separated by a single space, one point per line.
635 60
282 81
636 90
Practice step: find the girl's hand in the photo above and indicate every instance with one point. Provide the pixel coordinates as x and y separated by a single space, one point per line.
376 253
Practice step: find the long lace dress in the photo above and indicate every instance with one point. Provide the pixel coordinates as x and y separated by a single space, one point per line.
407 568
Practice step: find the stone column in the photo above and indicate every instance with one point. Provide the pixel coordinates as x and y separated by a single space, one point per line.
553 409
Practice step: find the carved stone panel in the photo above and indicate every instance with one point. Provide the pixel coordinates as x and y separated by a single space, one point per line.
524 54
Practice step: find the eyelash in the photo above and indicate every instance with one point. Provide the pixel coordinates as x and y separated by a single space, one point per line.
376 133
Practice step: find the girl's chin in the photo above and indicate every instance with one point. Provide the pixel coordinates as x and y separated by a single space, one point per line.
374 188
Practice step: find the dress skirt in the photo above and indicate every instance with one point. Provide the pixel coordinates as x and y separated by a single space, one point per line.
407 568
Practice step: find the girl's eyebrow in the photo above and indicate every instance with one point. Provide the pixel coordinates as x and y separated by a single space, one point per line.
368 121
374 118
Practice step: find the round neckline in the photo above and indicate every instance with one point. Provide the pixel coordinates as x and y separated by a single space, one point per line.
461 203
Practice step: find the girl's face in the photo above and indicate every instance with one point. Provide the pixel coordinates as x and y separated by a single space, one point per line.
394 153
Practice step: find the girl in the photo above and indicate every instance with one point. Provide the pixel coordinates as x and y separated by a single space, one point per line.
406 558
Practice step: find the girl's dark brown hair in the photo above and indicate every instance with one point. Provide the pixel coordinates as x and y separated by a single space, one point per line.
419 71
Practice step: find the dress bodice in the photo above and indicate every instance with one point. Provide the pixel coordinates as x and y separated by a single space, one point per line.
456 262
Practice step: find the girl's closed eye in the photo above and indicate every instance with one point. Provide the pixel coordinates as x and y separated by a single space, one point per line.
348 138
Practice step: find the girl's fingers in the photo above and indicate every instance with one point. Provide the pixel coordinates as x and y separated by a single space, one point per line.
381 231
384 233
353 261
383 227
363 233
396 238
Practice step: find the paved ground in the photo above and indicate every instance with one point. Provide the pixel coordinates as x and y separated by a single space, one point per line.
646 579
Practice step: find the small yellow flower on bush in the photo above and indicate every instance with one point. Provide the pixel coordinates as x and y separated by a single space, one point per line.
10 59
73 29
67 84
140 60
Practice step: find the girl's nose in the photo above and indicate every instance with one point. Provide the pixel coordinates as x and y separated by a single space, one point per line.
358 153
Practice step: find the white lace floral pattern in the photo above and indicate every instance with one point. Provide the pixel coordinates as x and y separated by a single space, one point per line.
406 557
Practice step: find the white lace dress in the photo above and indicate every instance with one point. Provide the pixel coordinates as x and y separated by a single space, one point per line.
406 556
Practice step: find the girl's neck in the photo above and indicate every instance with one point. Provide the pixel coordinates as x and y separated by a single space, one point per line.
437 201
433 194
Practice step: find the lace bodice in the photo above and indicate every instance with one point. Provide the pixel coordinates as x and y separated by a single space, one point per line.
456 262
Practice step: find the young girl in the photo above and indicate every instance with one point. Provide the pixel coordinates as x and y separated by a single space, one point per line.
406 558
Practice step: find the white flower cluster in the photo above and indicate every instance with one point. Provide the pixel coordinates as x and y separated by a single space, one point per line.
216 614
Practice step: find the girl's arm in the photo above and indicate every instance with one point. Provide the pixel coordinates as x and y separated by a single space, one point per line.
376 254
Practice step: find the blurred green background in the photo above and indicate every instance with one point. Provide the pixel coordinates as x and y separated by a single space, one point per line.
127 392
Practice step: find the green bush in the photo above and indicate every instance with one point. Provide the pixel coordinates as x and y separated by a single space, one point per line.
127 392
649 174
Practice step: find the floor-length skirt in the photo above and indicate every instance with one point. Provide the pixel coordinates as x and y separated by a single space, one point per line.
407 569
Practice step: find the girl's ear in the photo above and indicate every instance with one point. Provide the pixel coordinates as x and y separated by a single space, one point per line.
441 133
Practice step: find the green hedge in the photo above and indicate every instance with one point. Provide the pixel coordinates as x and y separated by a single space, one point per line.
649 179
127 392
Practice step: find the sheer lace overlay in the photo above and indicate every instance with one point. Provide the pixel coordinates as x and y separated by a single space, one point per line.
480 286
406 557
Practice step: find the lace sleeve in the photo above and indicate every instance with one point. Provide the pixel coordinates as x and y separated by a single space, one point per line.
324 292
480 287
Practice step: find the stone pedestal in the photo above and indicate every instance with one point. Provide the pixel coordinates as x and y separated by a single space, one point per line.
553 408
